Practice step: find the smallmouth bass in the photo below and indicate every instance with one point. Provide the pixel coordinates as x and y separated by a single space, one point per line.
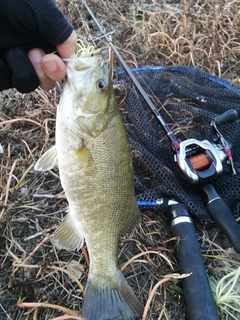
96 174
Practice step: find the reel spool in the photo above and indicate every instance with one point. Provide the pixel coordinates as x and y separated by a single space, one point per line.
199 162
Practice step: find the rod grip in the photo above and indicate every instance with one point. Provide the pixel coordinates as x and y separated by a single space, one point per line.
197 291
222 215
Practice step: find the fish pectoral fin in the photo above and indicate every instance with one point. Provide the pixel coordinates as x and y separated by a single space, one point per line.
47 160
68 235
134 218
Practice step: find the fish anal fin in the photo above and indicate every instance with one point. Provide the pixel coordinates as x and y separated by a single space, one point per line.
47 160
68 235
104 300
134 218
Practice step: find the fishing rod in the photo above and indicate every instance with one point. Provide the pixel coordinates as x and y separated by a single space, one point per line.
199 162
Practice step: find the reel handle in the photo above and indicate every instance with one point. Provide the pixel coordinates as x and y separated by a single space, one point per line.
227 117
197 291
222 215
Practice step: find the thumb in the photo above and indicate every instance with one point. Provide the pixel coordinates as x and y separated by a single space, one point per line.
67 48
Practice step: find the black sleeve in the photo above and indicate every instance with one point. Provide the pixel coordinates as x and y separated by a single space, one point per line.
30 21
27 24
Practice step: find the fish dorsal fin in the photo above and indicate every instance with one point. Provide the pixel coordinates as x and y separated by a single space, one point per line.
134 218
47 160
68 235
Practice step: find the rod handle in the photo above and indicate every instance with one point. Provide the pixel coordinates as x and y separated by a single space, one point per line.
197 291
222 215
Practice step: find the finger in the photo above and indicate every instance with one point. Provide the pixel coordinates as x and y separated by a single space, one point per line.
54 67
68 47
35 56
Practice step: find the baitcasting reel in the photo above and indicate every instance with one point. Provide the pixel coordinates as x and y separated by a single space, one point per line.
201 162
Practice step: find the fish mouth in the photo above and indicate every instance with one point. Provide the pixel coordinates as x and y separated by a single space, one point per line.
83 67
88 61
87 55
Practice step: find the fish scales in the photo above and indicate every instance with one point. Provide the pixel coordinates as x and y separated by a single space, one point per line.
97 176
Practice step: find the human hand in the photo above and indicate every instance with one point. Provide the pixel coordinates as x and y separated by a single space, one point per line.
49 67
29 31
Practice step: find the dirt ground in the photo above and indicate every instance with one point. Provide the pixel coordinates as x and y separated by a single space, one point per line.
202 34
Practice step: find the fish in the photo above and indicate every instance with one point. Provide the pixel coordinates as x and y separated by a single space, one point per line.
96 173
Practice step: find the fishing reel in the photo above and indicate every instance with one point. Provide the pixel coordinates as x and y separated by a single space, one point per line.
201 162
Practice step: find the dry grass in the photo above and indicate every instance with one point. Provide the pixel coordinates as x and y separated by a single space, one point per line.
194 33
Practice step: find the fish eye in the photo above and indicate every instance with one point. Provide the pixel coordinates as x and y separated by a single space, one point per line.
101 85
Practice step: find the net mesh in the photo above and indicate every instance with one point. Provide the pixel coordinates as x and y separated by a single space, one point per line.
187 99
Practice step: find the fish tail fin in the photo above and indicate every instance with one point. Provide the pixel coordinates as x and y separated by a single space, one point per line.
106 300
